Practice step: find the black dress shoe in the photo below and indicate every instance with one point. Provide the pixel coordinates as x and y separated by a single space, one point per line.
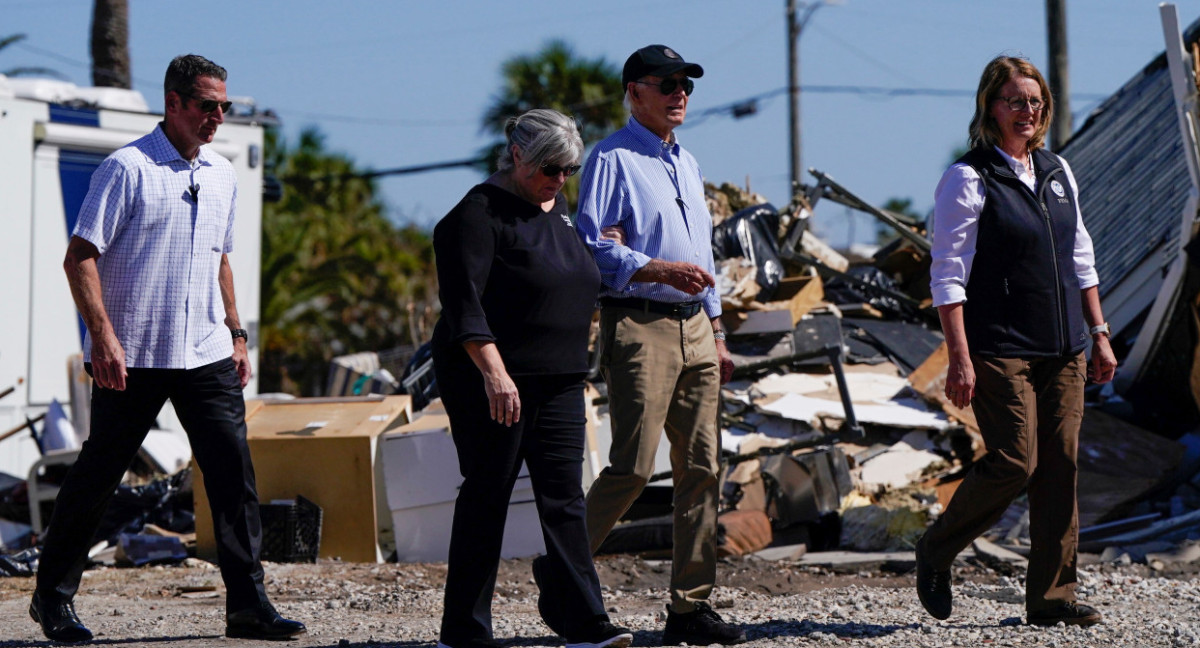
261 622
933 586
700 627
1071 613
58 619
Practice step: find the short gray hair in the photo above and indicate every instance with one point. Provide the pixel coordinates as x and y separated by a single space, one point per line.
184 70
543 135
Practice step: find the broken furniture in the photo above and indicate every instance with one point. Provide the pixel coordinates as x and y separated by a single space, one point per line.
327 450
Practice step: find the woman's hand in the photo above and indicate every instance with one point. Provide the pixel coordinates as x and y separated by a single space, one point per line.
960 374
614 233
960 381
504 403
1104 362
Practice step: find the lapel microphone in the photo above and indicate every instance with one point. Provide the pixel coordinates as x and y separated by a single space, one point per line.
195 191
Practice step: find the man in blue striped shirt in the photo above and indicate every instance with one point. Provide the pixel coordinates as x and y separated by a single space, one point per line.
662 348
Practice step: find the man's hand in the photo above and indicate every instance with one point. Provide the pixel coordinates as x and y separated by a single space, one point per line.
725 360
108 361
241 361
687 277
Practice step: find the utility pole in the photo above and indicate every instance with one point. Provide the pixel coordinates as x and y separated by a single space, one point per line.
794 28
1060 86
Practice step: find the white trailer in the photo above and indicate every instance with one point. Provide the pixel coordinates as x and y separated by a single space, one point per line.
52 136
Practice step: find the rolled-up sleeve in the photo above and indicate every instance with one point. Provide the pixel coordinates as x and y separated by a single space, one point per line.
958 201
464 243
602 199
1084 255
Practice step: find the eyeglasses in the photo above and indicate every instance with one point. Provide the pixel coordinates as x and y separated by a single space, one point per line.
552 170
670 84
1018 104
209 105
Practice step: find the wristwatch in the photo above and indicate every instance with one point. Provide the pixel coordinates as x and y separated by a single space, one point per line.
1101 329
719 335
240 333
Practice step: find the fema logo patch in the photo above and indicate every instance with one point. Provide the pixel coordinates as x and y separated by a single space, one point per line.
1057 188
669 53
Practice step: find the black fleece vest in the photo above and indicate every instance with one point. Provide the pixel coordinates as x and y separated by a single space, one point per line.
1023 296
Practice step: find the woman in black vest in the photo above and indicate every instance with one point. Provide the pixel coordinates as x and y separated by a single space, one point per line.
1014 281
518 289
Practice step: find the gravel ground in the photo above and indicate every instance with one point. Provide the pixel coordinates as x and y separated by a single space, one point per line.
779 603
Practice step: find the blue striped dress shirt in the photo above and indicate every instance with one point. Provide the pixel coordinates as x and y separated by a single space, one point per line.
654 190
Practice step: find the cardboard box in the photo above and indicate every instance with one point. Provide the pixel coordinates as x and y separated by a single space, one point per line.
797 295
325 449
422 479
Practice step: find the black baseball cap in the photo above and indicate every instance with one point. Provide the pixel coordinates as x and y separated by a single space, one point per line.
659 61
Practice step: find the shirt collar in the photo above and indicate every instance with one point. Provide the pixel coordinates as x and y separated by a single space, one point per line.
163 151
1018 166
651 141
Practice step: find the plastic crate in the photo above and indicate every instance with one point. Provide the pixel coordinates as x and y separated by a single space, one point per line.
291 532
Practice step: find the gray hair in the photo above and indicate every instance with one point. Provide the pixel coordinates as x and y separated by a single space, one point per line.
184 70
543 135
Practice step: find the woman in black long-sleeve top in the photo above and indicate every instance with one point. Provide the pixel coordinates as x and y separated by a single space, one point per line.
518 289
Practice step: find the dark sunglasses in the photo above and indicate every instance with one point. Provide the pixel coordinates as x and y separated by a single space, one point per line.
209 105
670 84
552 170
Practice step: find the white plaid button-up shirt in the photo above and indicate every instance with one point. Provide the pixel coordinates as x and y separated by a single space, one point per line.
160 251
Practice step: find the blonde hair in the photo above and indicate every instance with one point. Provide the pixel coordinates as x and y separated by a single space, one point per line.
984 130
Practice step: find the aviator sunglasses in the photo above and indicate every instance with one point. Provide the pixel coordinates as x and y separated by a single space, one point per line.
670 84
209 105
552 170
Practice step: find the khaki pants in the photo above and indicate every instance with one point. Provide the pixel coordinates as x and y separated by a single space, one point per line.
663 373
1029 412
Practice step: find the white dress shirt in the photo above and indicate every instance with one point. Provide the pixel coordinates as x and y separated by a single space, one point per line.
958 201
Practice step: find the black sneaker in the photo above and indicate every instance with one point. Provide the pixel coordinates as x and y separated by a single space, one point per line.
933 586
602 635
1072 613
546 599
700 627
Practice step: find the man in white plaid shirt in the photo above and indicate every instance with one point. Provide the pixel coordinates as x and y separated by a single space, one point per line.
149 271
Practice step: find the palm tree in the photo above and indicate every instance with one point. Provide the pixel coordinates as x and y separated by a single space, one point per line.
110 44
337 276
6 41
555 77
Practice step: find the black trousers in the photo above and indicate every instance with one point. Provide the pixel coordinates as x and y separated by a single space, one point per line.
550 439
209 403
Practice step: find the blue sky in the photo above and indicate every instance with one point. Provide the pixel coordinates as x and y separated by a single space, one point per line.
403 83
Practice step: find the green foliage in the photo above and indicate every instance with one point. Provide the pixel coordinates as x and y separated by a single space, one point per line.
589 90
337 276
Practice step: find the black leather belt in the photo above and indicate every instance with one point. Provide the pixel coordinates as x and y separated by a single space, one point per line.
678 310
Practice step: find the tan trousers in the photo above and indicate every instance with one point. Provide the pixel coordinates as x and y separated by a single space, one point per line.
662 374
1029 413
